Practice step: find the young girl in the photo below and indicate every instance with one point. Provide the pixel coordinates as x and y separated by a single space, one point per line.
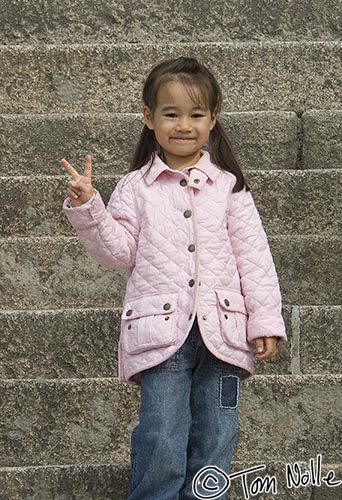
202 290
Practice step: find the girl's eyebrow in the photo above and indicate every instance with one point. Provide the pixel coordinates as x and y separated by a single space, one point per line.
167 108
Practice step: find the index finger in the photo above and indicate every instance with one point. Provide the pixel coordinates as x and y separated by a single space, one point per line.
75 175
87 169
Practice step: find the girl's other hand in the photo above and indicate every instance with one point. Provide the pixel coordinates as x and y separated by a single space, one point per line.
80 189
266 347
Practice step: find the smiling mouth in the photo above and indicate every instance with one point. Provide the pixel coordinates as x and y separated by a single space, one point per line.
182 139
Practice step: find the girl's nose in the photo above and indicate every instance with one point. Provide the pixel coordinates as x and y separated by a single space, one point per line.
184 124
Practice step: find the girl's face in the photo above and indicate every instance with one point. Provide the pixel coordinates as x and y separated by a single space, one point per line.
180 125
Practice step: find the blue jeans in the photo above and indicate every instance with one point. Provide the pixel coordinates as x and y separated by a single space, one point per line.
188 420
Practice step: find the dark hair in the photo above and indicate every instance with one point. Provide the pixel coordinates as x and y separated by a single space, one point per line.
190 73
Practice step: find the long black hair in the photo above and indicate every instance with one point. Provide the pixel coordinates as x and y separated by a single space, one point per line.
194 76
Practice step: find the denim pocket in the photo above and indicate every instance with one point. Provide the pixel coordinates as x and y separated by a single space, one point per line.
229 391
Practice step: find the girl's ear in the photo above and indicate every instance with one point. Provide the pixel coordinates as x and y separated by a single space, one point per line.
148 117
213 119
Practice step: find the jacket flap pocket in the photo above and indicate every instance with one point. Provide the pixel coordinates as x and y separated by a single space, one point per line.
231 300
148 305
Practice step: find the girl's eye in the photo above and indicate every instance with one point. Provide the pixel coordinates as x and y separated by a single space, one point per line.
171 115
197 115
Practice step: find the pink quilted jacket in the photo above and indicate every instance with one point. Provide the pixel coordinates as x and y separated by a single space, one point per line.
191 247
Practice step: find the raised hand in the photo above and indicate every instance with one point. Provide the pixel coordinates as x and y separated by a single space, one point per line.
80 189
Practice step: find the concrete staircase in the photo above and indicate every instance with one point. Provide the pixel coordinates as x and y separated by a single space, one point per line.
70 81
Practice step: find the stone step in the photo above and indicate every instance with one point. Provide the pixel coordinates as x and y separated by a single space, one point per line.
52 422
57 273
262 140
168 21
296 76
110 481
322 132
289 201
65 482
83 343
59 344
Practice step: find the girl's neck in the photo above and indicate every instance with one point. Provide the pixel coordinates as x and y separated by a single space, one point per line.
179 163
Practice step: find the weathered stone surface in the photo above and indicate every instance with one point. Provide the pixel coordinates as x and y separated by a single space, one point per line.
33 206
49 273
320 339
70 482
80 344
289 202
49 422
264 139
322 139
298 202
59 344
296 76
53 273
33 144
308 268
281 419
290 418
110 482
170 21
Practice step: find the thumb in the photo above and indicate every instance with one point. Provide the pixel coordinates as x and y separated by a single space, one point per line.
259 344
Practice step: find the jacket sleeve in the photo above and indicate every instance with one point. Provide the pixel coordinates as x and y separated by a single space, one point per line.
109 235
258 277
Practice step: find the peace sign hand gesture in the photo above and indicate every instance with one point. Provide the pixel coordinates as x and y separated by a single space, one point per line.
80 189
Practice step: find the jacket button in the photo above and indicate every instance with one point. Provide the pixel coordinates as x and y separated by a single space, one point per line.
226 316
204 318
167 318
129 312
190 316
197 181
226 301
191 282
187 214
191 247
167 306
183 182
129 327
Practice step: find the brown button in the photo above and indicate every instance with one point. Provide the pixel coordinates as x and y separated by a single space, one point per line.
190 316
204 318
183 182
167 306
167 318
191 247
191 282
197 181
226 301
187 214
129 312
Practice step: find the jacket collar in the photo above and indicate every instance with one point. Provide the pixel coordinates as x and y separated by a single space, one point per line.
204 164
